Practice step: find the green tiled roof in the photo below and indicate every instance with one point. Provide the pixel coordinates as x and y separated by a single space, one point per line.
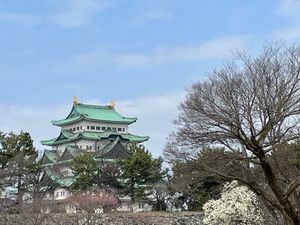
134 138
114 151
94 113
70 152
53 175
58 178
67 137
51 155
110 146
52 172
49 141
108 134
73 150
66 181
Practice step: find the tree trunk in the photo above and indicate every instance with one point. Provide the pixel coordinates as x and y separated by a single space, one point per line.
19 194
132 194
289 214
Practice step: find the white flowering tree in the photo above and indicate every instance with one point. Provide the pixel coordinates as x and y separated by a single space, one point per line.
237 206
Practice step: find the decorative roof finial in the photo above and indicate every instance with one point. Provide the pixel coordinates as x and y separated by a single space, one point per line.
112 104
75 100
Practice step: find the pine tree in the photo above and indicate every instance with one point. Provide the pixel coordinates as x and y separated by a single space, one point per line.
85 171
18 160
140 172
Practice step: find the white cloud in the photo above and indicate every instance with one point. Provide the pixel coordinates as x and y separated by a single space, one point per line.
219 48
25 20
154 113
287 34
7 72
155 117
79 12
152 15
158 15
215 49
289 8
34 119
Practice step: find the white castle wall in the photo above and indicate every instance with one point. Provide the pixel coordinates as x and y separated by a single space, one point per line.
83 125
89 144
66 171
82 144
93 145
60 148
61 193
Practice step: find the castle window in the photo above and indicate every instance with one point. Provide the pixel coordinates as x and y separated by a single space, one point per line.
114 129
103 128
97 128
74 128
119 129
108 128
80 127
141 205
77 128
92 127
123 129
65 173
88 127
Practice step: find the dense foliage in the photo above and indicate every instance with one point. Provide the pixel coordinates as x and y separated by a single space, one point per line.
195 185
85 171
18 160
140 172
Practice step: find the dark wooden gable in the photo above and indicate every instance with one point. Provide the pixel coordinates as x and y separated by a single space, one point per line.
117 152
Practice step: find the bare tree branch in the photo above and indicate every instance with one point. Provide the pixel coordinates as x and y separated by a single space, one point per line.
253 102
292 187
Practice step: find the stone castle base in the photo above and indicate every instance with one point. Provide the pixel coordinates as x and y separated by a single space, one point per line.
145 218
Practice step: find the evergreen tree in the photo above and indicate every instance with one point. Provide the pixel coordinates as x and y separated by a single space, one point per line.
18 160
140 172
85 171
109 175
195 185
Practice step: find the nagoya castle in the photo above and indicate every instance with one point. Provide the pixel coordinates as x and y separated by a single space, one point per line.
98 130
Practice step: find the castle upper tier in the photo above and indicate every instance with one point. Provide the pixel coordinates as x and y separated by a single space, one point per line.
91 127
97 130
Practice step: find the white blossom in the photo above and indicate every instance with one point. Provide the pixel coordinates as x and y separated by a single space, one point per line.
237 206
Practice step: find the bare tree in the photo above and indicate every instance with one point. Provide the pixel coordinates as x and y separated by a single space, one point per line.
250 106
33 211
87 206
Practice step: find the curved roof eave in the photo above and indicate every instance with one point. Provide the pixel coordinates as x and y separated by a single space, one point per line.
94 113
93 136
87 118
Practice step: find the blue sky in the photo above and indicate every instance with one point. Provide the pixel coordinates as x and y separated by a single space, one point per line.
143 53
